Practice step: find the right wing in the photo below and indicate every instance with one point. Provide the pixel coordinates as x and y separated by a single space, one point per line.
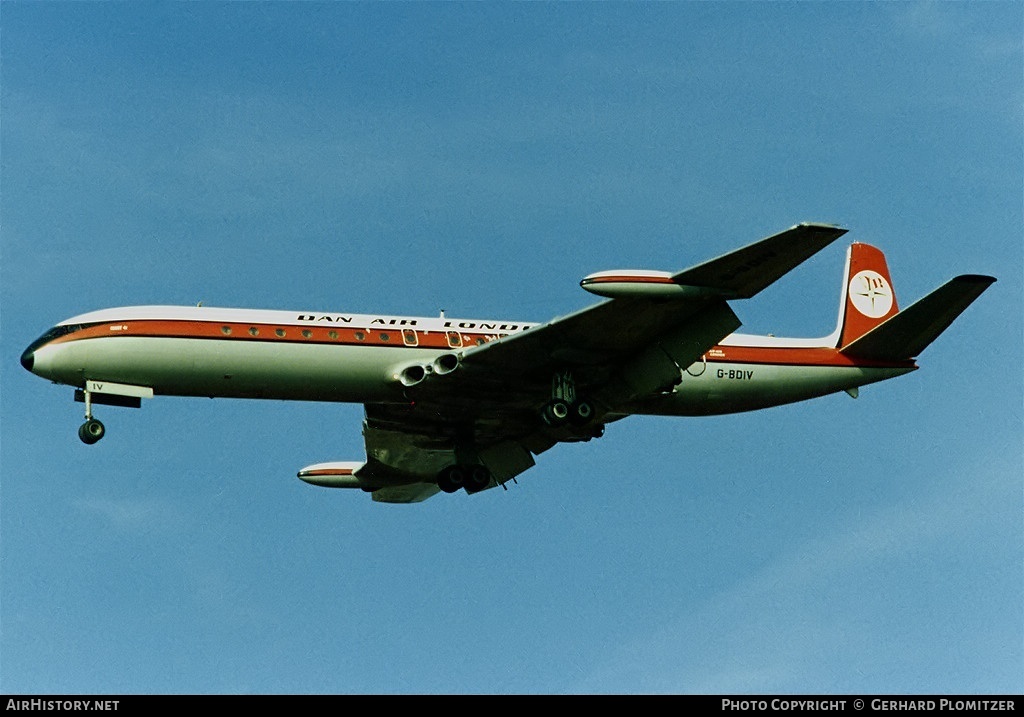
638 344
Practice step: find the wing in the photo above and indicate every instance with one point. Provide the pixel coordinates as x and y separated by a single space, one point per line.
489 410
631 346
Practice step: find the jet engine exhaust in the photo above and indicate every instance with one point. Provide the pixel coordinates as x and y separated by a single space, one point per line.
445 363
412 375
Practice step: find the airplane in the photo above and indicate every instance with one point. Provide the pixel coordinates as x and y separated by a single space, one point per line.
459 404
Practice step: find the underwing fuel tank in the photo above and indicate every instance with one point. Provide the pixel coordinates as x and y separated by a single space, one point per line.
640 283
339 474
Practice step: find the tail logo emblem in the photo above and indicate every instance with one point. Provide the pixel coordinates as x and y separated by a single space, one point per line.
870 294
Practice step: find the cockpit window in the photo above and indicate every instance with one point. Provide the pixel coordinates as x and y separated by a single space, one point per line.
61 330
55 333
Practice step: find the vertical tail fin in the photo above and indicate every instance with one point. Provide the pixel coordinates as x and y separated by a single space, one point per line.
868 296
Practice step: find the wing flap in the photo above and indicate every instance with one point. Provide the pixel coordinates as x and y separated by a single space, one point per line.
408 446
405 455
659 367
411 493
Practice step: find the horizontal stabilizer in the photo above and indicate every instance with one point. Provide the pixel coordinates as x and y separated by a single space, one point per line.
905 335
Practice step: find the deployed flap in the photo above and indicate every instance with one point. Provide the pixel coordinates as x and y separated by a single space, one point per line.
412 493
908 333
660 365
403 456
407 446
391 485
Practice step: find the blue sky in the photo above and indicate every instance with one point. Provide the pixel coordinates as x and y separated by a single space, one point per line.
482 158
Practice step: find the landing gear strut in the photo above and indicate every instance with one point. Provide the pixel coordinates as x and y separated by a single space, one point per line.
92 430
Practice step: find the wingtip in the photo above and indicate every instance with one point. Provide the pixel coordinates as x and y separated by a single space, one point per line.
976 279
822 226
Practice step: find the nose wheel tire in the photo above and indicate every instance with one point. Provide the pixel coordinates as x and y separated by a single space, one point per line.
91 431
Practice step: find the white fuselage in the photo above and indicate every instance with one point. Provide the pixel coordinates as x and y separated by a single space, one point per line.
318 356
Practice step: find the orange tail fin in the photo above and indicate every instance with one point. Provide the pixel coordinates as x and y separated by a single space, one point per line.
868 296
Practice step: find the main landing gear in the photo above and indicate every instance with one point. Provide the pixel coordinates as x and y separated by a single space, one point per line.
558 412
571 418
565 407
473 478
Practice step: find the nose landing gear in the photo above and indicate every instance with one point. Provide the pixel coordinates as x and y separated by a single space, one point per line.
108 394
92 430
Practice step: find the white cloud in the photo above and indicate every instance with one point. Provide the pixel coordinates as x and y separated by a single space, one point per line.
124 513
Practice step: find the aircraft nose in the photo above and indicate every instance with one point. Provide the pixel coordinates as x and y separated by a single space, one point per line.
28 359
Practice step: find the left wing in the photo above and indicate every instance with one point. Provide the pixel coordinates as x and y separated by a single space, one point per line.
405 452
487 412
